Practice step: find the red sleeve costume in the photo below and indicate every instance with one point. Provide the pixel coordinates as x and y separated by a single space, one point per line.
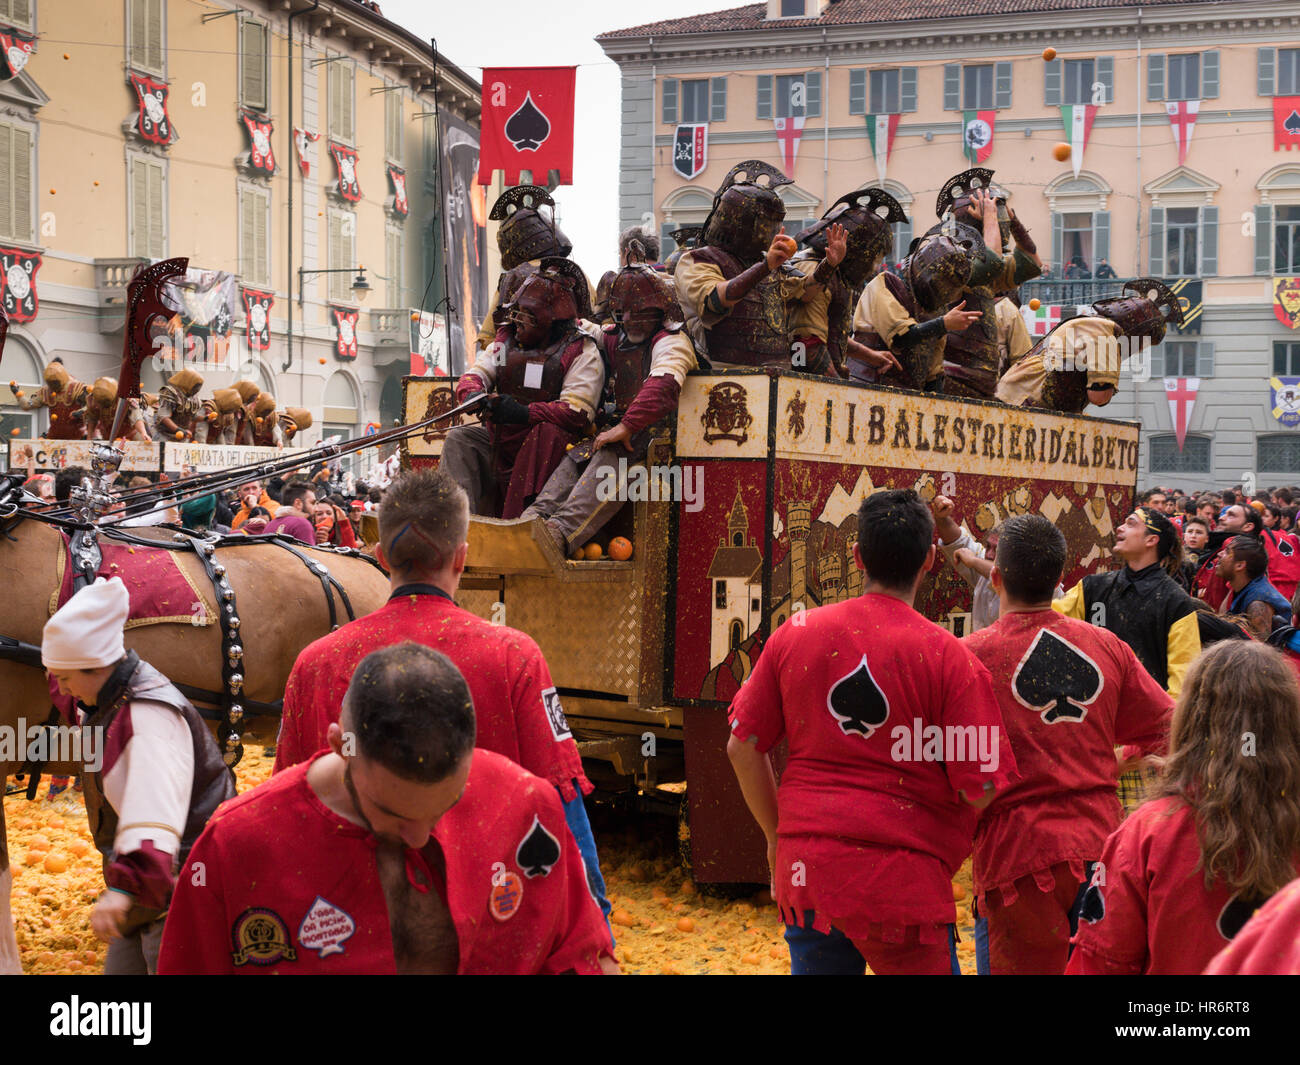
1148 910
515 702
1069 693
871 826
291 887
1269 945
1283 549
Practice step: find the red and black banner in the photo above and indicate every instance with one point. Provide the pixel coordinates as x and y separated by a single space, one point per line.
397 176
345 159
153 122
261 154
346 322
257 307
15 50
19 283
527 123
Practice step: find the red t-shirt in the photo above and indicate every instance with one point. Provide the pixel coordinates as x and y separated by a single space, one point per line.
1269 945
887 716
1153 914
1069 692
289 886
1283 550
515 703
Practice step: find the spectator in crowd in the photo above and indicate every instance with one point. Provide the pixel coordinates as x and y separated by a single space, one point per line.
297 504
1104 271
251 494
256 522
1242 566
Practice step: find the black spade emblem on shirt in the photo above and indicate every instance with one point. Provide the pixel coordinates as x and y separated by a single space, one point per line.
1056 679
528 128
1292 123
1093 907
538 851
1284 547
857 703
1236 912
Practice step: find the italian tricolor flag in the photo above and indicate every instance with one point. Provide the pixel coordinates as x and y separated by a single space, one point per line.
880 131
1077 119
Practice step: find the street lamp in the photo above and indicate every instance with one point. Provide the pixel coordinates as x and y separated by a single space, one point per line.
360 286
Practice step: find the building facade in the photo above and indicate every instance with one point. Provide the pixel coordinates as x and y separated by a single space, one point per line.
841 94
137 130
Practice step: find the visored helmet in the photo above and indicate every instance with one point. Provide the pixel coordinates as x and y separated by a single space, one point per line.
558 292
867 215
938 270
747 212
1144 308
528 230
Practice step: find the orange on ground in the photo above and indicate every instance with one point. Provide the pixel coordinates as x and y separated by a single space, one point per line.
685 924
56 863
620 549
751 959
622 917
79 847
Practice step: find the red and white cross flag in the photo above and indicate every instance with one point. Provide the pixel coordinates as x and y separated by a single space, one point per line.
1181 393
1182 117
788 132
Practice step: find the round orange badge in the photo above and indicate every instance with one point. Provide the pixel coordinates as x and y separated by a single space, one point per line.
507 894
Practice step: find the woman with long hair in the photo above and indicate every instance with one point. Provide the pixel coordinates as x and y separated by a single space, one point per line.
1179 878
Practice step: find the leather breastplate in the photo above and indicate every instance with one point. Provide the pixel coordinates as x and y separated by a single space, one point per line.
628 368
533 375
756 332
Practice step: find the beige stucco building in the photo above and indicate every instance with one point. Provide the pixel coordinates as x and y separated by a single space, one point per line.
83 185
1228 216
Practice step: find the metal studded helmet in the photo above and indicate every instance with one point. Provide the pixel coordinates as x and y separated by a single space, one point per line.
558 292
644 298
747 212
685 238
938 269
1144 308
600 309
955 199
526 232
56 376
867 214
186 381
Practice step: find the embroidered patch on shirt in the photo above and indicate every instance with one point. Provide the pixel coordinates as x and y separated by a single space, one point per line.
538 851
325 928
260 937
555 715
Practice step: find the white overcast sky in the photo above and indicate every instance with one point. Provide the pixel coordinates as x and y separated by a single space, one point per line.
478 33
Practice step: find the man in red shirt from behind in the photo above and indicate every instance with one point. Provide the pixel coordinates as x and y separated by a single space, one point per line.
1069 692
401 849
895 740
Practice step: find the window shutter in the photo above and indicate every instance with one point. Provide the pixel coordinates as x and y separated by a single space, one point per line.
253 69
1156 76
1156 258
21 171
7 225
1267 71
139 209
393 117
1106 75
1100 236
857 92
812 90
1209 241
157 247
261 238
764 82
1058 242
1210 76
347 102
670 101
247 237
1052 83
332 92
907 89
1158 367
1205 358
718 100
1263 239
151 48
1001 86
952 86
139 34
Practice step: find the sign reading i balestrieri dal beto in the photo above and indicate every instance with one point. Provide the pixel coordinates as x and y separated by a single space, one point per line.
210 457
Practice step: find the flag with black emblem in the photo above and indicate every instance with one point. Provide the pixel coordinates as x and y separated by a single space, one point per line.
15 50
152 120
345 322
20 300
260 153
257 308
345 159
527 123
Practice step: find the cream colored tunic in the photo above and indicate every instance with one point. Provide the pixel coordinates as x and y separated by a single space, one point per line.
582 383
1087 344
1013 337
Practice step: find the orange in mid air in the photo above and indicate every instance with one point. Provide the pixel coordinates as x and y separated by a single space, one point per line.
1061 152
1049 53
1034 304
620 549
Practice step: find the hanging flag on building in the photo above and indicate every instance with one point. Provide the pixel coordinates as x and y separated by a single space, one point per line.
1284 399
1181 394
527 123
345 322
788 132
1182 117
1042 321
257 309
301 139
397 177
152 121
15 50
977 134
1077 119
260 153
19 283
1192 300
690 149
880 131
1286 123
1286 301
428 344
345 159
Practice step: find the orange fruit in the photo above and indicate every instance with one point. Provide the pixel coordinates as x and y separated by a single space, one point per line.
180 435
322 362
592 551
1061 152
685 924
1049 54
15 432
750 959
38 843
79 847
958 892
34 857
622 917
56 863
620 549
1034 304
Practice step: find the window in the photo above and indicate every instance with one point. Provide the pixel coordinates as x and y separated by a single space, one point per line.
1067 82
394 254
16 13
254 76
1286 239
15 182
1286 358
341 99
1279 71
1184 241
1184 76
1193 458
720 595
148 212
393 121
254 250
977 88
1278 452
902 241
885 92
790 95
697 100
984 87
1180 358
146 35
342 254
1076 85
1078 244
1180 241
792 8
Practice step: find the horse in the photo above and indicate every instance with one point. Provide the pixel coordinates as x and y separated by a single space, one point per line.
281 594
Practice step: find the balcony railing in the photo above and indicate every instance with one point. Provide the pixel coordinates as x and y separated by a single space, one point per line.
1070 291
111 277
391 325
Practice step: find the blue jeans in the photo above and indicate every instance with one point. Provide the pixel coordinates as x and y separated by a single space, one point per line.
575 814
832 953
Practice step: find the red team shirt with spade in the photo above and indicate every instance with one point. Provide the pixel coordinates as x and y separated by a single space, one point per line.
870 820
289 886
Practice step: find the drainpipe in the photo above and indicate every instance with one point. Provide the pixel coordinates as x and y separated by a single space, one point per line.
288 355
826 126
654 88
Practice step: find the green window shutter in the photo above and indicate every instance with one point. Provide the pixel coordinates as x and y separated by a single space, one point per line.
718 100
907 89
857 92
764 84
670 101
1267 71
1156 258
1156 76
1052 83
1209 241
1106 75
1001 86
1100 236
1210 76
952 86
1205 358
1263 240
812 88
